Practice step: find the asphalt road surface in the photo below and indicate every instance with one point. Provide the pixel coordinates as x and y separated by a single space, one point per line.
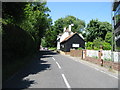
52 70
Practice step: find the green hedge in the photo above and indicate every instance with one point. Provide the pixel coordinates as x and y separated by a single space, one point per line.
17 44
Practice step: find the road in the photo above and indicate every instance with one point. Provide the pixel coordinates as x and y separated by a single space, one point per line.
52 70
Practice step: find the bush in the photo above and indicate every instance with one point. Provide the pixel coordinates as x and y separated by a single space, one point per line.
90 48
52 48
99 42
80 48
89 45
106 46
96 48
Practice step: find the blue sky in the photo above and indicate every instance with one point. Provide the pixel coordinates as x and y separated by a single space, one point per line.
82 10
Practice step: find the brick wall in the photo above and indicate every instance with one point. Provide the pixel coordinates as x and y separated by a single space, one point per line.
76 53
108 64
93 60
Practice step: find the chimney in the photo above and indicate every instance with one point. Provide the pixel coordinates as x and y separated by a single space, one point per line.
70 28
64 29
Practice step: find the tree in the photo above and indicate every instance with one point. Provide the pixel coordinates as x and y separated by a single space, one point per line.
65 22
96 29
50 38
100 42
13 12
108 37
57 28
30 16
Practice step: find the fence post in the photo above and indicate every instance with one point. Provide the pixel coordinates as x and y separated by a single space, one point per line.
101 55
83 54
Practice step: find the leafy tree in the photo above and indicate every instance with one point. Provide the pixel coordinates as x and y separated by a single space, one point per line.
13 12
100 42
50 37
51 34
108 37
65 22
89 45
96 29
106 46
97 43
31 17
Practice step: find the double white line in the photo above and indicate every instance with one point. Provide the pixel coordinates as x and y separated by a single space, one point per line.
63 76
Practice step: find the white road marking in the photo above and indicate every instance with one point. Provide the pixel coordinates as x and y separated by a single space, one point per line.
53 58
58 65
66 82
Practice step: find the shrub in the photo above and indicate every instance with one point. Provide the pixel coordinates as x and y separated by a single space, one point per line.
90 48
89 45
80 48
106 46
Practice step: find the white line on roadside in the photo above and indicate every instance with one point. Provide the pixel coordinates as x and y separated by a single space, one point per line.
98 69
53 58
109 74
66 82
58 65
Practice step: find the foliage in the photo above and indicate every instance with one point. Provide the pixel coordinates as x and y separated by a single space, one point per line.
108 59
14 46
43 43
32 17
95 57
96 29
97 43
80 48
52 48
68 20
57 28
108 37
50 37
106 46
89 45
12 12
24 24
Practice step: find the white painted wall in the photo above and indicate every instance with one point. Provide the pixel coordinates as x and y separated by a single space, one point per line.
107 54
92 53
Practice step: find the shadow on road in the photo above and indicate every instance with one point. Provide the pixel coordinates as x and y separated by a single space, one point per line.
37 65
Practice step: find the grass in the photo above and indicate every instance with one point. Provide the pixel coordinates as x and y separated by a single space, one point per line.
95 57
52 48
108 59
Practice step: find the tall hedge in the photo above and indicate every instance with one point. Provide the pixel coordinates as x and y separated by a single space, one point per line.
16 43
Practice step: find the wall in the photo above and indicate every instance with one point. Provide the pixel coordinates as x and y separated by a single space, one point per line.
106 55
90 55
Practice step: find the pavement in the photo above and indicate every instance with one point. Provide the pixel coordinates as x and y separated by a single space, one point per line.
53 70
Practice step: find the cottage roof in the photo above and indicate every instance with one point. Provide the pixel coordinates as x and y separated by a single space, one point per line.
71 36
68 37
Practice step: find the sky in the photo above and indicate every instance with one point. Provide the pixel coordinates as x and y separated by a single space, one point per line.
83 10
